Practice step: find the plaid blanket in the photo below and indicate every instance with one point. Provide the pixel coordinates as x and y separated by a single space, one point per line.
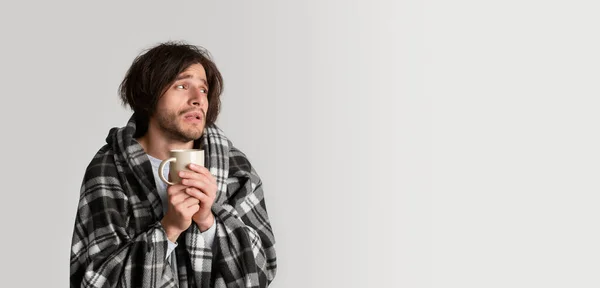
118 240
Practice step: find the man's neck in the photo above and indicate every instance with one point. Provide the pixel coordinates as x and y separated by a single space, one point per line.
157 145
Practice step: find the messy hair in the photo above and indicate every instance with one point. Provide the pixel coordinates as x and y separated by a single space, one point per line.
153 71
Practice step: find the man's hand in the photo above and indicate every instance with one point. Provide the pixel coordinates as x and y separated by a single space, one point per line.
201 185
179 214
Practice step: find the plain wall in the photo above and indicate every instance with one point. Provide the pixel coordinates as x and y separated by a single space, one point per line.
401 143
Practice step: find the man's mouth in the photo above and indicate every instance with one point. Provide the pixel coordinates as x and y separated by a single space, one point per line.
194 116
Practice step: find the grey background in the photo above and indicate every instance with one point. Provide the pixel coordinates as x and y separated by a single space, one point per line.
402 144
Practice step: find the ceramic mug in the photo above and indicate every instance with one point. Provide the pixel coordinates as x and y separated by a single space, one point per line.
179 161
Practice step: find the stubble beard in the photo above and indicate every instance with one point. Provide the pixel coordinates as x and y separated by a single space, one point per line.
171 124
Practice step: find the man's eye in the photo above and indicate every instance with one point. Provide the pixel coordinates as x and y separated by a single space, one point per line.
203 90
180 86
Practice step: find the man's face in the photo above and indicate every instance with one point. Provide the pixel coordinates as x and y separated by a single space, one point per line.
181 112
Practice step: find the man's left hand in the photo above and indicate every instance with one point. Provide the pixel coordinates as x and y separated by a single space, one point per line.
202 185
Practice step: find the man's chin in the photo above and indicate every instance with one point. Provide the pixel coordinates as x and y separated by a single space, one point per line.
192 134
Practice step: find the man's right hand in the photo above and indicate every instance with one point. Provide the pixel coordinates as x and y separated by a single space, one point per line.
179 212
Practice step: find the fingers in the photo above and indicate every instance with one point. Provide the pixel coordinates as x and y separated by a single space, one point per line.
176 193
199 195
200 173
201 183
185 204
175 189
199 169
189 207
178 197
189 202
203 186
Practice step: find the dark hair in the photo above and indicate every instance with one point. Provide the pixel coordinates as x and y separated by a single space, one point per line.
152 72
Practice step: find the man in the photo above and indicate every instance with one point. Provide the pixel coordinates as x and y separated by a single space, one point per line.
210 230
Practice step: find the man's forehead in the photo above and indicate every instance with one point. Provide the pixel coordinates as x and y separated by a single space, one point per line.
194 71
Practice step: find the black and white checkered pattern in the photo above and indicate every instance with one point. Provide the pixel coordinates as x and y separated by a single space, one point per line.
118 240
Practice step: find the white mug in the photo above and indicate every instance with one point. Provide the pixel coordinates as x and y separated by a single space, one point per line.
180 159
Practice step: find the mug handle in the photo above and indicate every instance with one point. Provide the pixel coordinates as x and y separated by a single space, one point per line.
161 171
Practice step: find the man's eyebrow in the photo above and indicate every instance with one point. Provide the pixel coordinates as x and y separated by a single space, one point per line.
183 76
189 76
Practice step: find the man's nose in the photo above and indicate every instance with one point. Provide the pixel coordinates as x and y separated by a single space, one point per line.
198 99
